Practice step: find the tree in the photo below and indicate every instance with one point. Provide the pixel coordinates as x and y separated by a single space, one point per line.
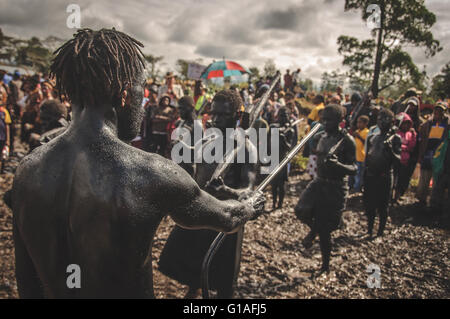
9 47
153 60
254 71
182 67
383 61
254 74
35 55
306 84
270 68
440 88
330 81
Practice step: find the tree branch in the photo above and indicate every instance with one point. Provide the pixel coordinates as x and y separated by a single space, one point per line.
388 85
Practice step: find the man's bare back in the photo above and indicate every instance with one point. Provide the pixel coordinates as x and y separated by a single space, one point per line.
88 198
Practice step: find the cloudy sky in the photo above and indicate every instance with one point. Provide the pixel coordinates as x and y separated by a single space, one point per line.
300 33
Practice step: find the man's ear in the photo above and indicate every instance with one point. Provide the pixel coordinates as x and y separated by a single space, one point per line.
123 98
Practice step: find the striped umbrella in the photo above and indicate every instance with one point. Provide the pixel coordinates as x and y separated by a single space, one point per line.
223 68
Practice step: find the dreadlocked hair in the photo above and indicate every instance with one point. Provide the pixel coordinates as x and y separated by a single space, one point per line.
230 96
96 66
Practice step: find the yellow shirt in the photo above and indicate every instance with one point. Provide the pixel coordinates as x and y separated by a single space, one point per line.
436 131
314 115
360 153
7 117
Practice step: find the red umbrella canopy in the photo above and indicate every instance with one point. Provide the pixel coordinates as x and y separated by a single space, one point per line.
224 68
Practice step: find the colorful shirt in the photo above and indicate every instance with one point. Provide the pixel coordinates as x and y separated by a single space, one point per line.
314 115
360 153
408 144
435 137
5 119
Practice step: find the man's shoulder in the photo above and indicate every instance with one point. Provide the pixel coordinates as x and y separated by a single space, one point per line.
150 167
33 163
348 138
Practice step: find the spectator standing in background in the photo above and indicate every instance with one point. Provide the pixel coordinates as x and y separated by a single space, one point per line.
320 105
296 77
288 82
408 136
171 89
360 136
431 134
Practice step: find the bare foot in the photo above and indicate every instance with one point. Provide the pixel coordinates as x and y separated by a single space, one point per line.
320 272
307 242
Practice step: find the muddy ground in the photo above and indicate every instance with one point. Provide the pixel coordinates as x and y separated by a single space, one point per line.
413 255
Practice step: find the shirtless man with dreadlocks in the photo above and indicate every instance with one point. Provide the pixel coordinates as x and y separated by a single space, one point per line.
88 198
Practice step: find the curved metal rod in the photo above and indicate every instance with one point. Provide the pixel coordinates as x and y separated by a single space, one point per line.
216 244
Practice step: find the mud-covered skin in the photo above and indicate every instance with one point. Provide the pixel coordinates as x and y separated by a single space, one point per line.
323 216
342 163
185 250
383 152
90 199
187 123
285 143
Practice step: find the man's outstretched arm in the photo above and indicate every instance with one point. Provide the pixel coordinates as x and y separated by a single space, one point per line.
191 207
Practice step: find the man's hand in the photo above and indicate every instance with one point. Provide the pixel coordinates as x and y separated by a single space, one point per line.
257 201
331 161
245 194
215 186
388 143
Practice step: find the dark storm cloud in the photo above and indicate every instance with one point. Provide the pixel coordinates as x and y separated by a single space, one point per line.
291 18
280 19
183 31
235 34
219 51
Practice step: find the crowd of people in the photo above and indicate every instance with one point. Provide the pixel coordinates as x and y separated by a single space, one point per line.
33 102
390 139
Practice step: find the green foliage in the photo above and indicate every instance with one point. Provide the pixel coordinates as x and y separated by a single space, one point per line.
9 47
330 81
153 60
403 23
270 68
30 53
35 55
306 85
358 56
182 67
440 88
395 91
254 73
